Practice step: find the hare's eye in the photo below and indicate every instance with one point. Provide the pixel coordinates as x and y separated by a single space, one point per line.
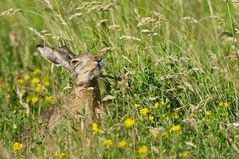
75 62
97 58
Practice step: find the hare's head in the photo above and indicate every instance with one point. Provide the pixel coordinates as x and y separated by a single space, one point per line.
85 68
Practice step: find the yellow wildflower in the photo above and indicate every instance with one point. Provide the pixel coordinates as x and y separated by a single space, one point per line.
49 99
155 135
220 104
107 143
226 104
16 147
224 114
59 155
95 128
14 126
165 135
155 132
28 99
39 88
34 99
175 115
20 81
144 111
175 128
143 150
129 122
35 81
151 118
121 144
46 83
208 113
223 104
37 72
185 154
156 105
162 103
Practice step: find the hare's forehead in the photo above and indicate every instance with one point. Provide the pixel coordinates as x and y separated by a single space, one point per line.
88 57
87 61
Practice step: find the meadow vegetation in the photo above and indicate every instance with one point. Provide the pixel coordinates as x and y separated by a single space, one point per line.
175 69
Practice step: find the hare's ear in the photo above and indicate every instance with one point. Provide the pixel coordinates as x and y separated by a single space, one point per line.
66 51
59 56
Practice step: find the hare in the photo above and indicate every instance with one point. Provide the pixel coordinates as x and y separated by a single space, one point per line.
83 104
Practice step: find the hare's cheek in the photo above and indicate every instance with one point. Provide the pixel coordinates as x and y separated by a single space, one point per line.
91 76
98 71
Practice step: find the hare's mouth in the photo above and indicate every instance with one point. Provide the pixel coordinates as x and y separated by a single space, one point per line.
99 66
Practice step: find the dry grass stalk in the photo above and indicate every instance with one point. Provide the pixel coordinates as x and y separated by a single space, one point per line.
237 31
128 37
190 19
49 4
145 21
61 37
25 105
63 22
37 33
103 21
105 50
218 19
75 16
4 152
115 27
9 12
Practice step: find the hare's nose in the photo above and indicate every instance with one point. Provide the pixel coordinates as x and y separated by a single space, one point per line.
99 61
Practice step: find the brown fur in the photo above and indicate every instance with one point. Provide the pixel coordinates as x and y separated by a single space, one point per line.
83 104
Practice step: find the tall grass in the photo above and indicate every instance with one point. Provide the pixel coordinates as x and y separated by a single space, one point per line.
180 54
